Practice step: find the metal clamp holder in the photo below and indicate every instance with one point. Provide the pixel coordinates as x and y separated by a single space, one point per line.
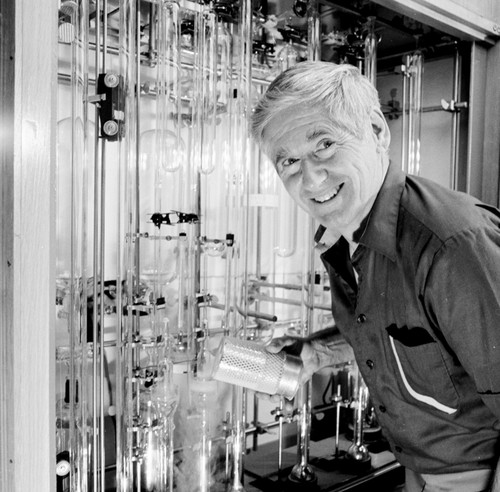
453 106
173 217
110 100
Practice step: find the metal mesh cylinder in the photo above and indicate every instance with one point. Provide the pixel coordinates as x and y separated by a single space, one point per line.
250 365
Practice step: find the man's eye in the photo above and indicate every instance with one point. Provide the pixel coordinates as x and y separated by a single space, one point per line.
289 162
325 144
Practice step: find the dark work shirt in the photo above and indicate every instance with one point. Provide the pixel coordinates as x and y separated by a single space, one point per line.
423 319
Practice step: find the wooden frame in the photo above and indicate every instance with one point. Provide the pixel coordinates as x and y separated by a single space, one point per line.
28 68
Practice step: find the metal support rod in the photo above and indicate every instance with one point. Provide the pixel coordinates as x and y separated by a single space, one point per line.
338 402
255 440
251 314
357 450
404 121
280 440
283 300
428 109
455 123
102 297
96 271
263 283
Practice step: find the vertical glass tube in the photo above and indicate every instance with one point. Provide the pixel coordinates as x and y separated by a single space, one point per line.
169 145
95 262
98 257
285 230
208 85
455 122
228 298
415 66
404 116
216 157
71 284
287 57
370 51
81 482
129 375
99 353
313 31
240 222
72 415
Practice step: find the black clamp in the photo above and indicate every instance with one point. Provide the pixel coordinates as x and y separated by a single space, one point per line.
174 217
111 103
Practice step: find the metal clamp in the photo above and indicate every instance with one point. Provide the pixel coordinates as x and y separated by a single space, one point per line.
453 106
169 218
111 102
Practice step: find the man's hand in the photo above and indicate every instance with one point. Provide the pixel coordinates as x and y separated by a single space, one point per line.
321 349
301 347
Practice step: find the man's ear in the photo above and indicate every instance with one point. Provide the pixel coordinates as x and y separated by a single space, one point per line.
380 129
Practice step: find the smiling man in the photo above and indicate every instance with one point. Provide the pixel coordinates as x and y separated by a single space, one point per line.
414 274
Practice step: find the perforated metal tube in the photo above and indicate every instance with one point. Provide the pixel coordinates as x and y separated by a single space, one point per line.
249 364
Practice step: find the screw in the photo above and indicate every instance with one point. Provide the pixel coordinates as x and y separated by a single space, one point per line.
110 128
111 80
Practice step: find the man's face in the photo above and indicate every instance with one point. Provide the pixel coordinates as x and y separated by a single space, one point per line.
331 174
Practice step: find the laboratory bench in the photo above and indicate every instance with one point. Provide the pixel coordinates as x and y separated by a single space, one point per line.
382 474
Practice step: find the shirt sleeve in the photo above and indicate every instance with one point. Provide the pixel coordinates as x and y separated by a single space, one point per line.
462 295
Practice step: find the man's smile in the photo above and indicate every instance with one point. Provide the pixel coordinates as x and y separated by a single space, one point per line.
328 196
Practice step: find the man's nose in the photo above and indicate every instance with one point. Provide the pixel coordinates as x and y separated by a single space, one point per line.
313 173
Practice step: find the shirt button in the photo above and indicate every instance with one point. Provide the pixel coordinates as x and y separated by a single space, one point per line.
382 408
370 363
361 318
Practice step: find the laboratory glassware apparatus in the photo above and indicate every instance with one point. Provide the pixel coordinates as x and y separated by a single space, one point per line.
150 270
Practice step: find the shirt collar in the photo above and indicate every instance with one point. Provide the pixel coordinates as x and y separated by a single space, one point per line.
379 229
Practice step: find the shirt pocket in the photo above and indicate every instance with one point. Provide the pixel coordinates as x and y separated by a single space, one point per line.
423 371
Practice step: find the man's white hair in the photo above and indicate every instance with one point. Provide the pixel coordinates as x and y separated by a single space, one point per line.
340 90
